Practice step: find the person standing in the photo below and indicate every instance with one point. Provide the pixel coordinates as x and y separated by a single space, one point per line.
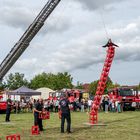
106 104
8 109
82 105
56 105
64 107
119 107
103 103
37 111
113 106
89 104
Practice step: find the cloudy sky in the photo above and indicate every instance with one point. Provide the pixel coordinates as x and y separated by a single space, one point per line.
72 37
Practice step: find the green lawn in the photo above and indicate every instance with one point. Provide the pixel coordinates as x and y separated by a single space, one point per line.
122 126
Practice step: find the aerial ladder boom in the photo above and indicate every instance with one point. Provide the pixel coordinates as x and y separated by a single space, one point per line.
26 38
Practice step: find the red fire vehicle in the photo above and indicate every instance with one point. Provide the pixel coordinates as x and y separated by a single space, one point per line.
2 104
55 95
71 93
128 96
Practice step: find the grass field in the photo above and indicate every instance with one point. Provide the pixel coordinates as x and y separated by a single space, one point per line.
120 126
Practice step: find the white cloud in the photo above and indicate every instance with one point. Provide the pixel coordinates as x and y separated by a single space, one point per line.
21 16
24 63
92 4
85 51
72 38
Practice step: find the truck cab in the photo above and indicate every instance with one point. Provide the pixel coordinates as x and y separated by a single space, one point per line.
125 95
2 104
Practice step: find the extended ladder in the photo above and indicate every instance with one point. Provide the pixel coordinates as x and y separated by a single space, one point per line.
26 38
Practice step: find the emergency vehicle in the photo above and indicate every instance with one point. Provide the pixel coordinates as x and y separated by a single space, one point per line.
127 96
2 103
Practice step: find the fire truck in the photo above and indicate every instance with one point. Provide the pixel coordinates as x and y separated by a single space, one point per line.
127 96
77 94
59 94
71 93
2 104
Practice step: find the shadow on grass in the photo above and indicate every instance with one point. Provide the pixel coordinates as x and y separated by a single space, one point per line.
121 120
79 129
74 129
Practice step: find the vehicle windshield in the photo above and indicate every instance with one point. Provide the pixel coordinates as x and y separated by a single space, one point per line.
125 92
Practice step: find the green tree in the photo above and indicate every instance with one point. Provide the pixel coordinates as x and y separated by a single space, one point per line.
116 85
93 87
54 81
79 85
64 80
2 85
14 81
109 85
39 81
139 86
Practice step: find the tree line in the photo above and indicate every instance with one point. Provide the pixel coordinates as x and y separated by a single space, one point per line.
54 81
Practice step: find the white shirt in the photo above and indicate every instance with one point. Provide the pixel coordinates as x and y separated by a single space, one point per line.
90 102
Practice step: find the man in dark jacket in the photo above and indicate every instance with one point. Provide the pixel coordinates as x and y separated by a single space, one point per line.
37 110
8 109
64 107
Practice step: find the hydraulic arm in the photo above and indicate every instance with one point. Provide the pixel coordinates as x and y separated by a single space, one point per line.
26 38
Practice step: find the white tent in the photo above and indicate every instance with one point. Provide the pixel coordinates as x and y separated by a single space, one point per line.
44 93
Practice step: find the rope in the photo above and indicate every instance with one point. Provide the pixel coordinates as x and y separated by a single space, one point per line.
56 20
104 25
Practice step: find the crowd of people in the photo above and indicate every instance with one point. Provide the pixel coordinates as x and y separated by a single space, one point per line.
39 107
62 105
51 105
83 105
108 104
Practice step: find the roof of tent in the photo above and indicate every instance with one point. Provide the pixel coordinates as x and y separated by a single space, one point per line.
24 91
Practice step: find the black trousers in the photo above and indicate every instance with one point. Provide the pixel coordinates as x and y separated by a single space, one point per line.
8 112
68 119
38 121
56 108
